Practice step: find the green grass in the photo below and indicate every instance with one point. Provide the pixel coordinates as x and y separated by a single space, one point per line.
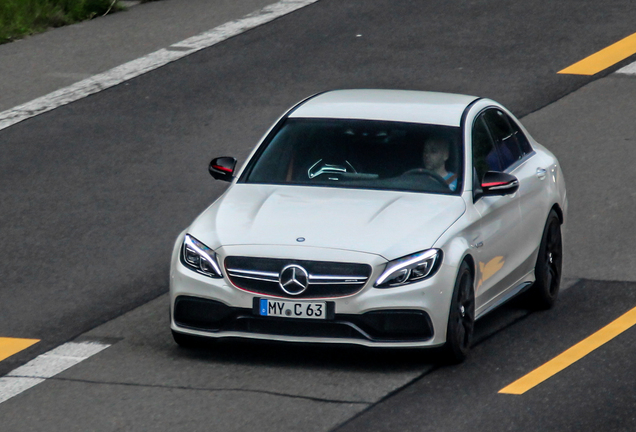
19 18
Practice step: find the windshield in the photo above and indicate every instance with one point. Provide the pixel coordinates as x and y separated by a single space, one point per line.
360 154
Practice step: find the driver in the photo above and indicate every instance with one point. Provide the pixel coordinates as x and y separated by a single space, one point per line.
436 153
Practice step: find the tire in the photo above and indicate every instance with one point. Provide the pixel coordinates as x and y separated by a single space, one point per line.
461 319
547 271
189 341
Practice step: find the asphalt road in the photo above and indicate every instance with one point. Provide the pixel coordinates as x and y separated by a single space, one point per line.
43 63
94 193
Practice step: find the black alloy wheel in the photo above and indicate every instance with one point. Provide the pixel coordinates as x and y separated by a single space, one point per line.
547 271
461 319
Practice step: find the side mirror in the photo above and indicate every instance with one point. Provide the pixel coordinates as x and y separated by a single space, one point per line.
222 168
499 183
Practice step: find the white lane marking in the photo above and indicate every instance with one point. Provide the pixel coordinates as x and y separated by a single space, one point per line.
46 366
630 69
148 62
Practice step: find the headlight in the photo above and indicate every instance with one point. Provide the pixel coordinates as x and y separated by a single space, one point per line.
409 269
200 258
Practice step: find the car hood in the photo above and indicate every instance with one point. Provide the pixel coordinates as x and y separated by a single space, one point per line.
386 223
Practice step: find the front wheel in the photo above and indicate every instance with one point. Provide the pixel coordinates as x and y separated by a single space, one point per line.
461 319
547 270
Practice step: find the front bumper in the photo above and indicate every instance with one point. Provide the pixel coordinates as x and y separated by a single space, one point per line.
414 315
386 326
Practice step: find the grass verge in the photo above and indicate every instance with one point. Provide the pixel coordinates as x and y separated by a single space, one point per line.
19 18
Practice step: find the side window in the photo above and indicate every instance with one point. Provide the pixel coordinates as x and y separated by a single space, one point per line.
504 136
485 156
521 138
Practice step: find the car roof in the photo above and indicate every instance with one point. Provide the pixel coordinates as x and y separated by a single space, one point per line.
391 105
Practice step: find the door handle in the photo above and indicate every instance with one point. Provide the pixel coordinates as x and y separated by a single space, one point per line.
541 173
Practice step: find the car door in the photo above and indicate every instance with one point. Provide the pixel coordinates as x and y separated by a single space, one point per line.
535 202
520 160
495 242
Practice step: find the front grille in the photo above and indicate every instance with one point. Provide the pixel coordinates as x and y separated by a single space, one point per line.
325 279
390 326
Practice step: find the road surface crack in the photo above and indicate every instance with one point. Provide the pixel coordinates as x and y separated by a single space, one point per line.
218 389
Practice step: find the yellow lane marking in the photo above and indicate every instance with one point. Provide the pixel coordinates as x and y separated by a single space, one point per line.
604 58
571 355
10 346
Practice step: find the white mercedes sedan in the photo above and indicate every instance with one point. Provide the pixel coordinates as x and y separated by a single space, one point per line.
383 218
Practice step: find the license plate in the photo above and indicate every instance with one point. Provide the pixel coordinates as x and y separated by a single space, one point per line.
290 309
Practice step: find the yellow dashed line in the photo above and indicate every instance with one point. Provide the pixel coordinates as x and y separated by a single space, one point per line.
604 58
10 346
571 355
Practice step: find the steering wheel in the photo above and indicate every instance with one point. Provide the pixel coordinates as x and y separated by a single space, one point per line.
432 174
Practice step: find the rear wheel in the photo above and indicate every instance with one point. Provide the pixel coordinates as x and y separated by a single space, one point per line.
547 271
461 320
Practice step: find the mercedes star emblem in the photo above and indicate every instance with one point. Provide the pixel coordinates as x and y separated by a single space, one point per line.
293 279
